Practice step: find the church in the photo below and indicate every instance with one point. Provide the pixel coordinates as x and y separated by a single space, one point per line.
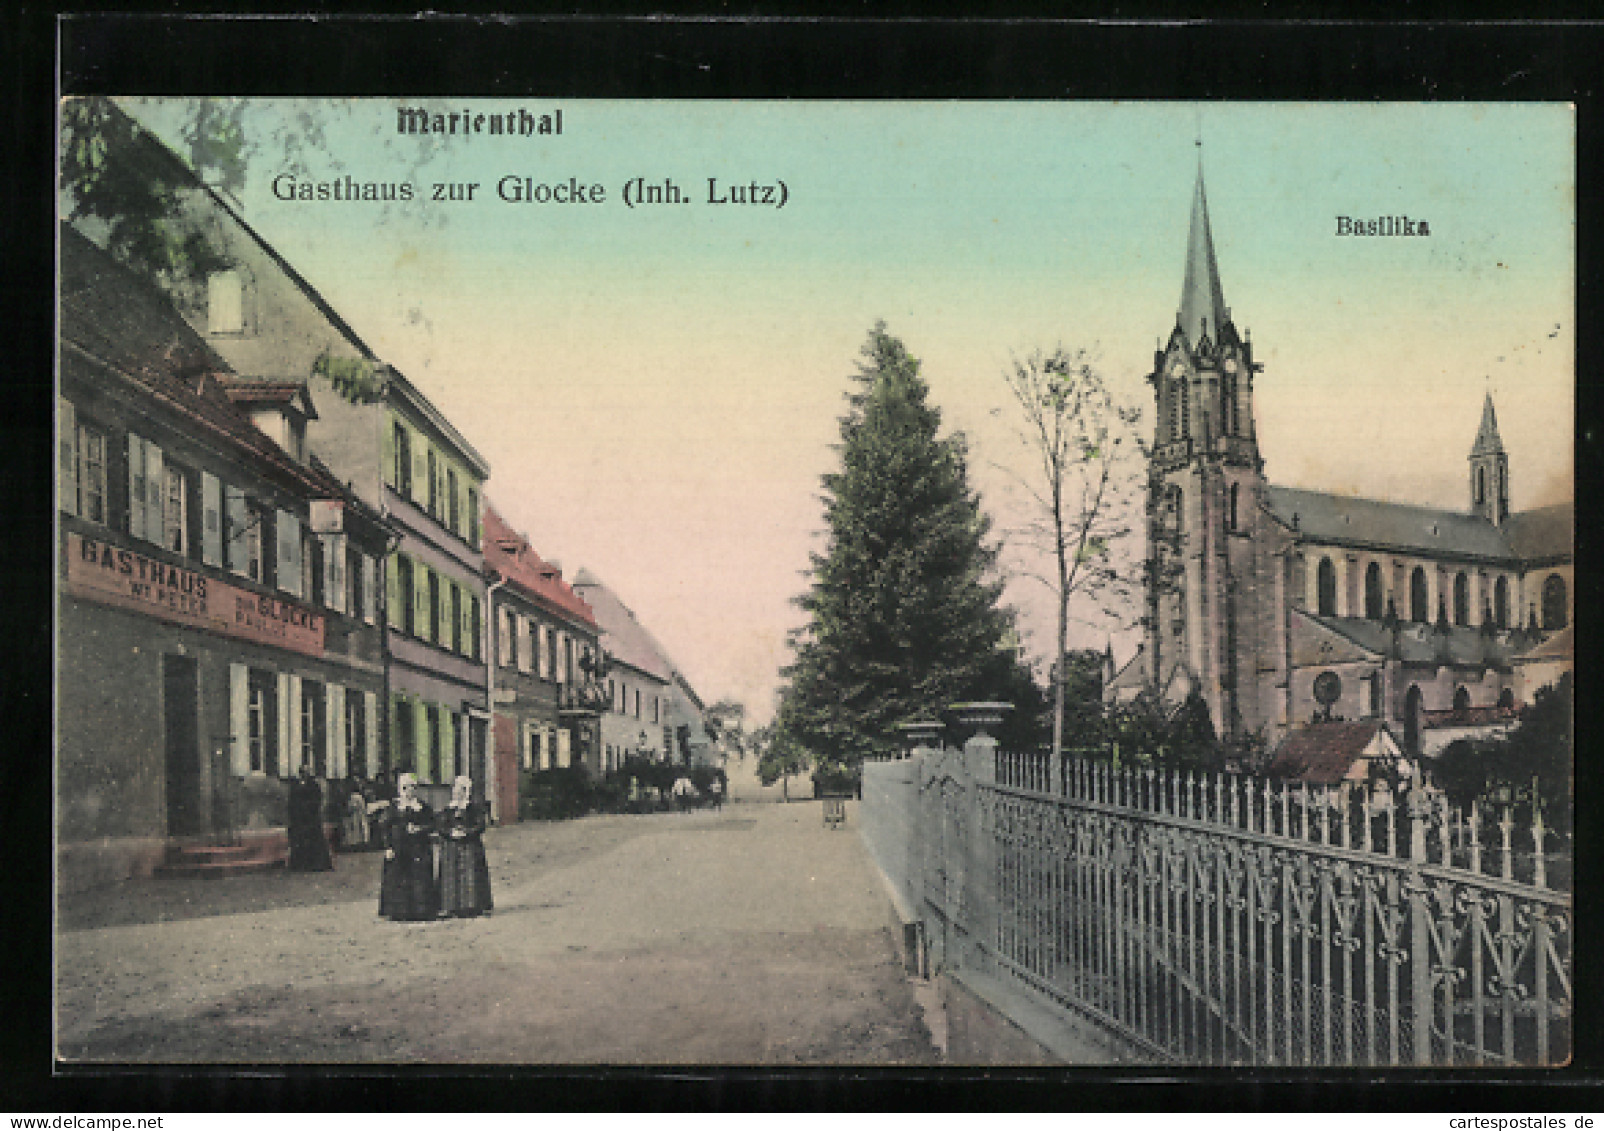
1282 606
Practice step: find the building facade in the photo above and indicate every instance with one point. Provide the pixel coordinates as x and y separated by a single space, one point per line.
1278 605
545 698
638 721
219 619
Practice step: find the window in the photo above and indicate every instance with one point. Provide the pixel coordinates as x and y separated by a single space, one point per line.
355 591
1481 485
403 599
431 771
356 728
612 695
225 303
211 519
434 485
436 629
1326 581
83 467
1556 610
453 510
456 618
312 571
1501 603
1373 597
1375 695
1461 599
473 624
314 737
288 564
1419 604
262 724
568 659
404 747
473 518
147 486
1235 489
551 671
1461 700
401 473
637 702
656 708
175 511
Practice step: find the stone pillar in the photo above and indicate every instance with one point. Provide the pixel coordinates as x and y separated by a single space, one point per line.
977 920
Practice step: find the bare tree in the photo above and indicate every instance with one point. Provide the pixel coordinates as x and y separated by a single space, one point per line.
1086 488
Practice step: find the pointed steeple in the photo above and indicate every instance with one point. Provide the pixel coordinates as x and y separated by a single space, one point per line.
1487 438
1201 296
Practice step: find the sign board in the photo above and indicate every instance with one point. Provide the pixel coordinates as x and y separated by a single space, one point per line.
115 575
327 516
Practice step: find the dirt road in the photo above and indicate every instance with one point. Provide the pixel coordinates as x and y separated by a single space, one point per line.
748 936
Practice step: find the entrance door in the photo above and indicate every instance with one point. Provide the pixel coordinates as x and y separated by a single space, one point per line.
181 725
477 755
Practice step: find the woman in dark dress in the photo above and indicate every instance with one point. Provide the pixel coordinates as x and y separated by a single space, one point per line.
408 890
464 874
309 848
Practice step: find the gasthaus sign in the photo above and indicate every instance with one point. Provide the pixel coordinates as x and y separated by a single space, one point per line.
115 575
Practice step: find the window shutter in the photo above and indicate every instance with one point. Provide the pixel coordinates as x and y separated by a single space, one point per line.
334 729
287 708
155 493
420 730
545 749
524 664
239 718
541 635
448 745
370 598
370 732
136 485
565 751
334 572
287 567
465 523
211 519
392 591
420 470
465 620
67 475
292 708
420 599
562 657
389 450
237 516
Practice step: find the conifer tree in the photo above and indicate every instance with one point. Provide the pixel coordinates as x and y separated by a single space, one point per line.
904 617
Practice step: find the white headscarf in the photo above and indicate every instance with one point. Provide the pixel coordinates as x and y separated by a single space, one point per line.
403 784
461 791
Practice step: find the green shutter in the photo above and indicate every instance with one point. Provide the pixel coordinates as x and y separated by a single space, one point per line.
67 476
420 729
420 470
420 600
389 449
392 602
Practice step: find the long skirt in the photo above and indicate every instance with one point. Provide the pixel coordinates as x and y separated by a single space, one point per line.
407 889
464 877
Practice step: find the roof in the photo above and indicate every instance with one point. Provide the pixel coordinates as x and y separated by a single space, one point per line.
120 321
1426 644
624 638
1351 520
1324 753
1543 532
1202 311
291 394
509 554
1560 646
1488 441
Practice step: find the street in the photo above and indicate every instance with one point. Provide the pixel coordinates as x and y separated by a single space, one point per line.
748 936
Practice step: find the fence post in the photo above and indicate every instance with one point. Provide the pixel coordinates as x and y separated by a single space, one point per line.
977 926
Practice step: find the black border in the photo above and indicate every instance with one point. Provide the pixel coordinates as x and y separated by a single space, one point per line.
714 56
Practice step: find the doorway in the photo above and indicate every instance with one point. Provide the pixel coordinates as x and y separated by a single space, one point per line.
181 727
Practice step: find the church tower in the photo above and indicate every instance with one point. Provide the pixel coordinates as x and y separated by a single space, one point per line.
1489 469
1203 494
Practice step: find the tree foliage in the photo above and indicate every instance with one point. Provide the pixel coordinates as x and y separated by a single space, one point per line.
1540 750
903 613
1084 490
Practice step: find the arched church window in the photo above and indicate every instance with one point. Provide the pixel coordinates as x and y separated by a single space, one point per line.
1374 600
1555 612
1481 485
1501 603
1412 720
1506 698
1461 599
1375 695
1419 606
1234 492
1326 579
1461 700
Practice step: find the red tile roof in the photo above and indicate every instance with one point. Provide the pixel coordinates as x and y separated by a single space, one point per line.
1323 753
511 556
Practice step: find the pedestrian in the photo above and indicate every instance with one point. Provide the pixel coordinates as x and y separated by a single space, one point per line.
357 829
717 790
684 793
309 848
407 889
464 873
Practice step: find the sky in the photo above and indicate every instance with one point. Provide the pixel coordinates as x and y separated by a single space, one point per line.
657 388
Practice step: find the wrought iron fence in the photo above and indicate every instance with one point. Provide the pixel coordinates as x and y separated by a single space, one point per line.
1218 919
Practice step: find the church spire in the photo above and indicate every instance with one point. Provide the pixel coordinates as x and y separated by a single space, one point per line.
1487 438
1201 296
